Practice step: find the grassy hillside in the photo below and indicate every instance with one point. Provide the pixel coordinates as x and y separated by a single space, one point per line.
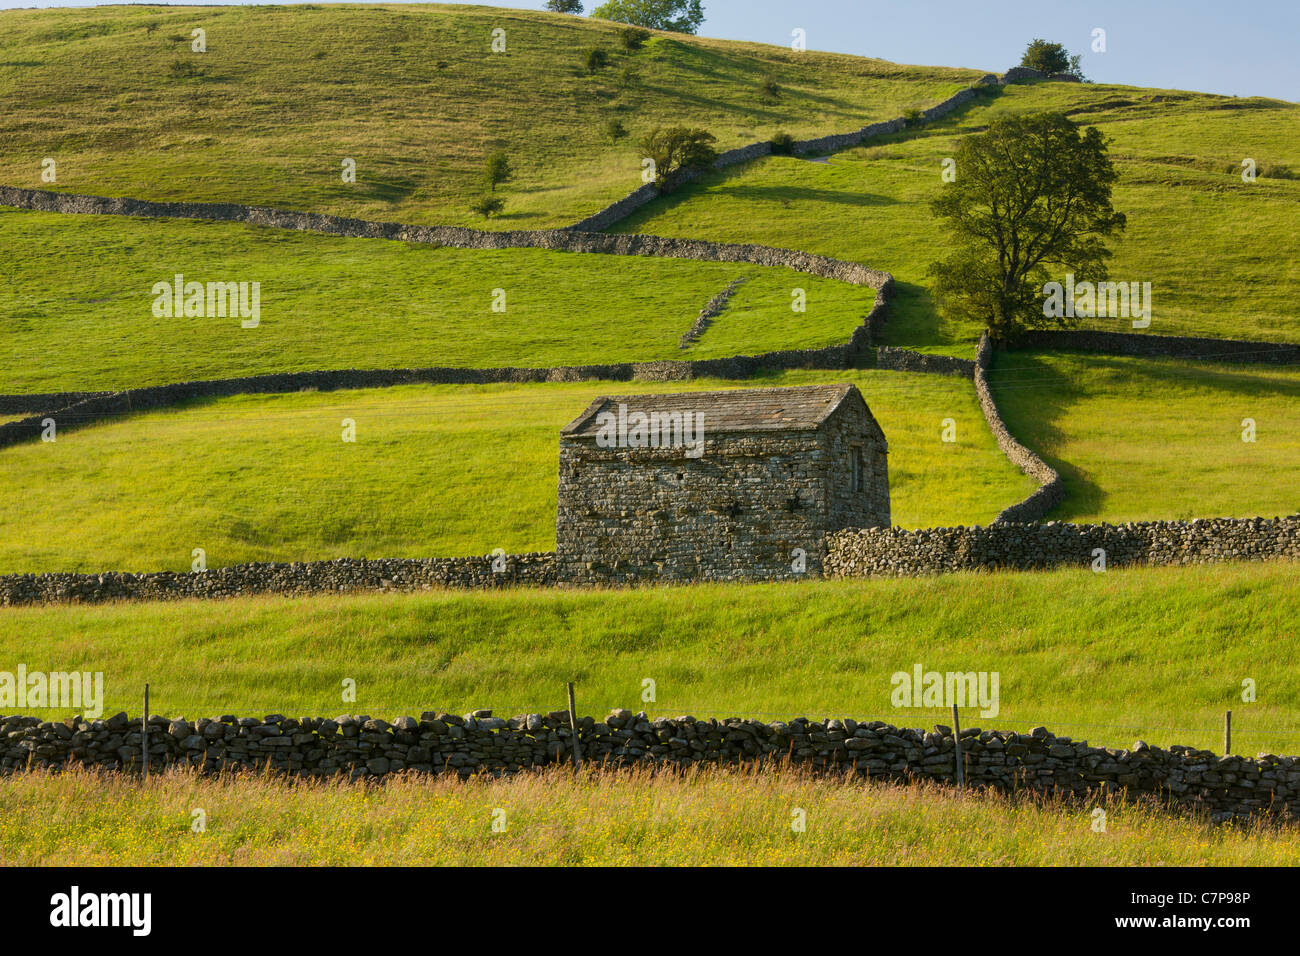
78 313
554 819
413 93
1223 256
1146 438
435 470
1157 654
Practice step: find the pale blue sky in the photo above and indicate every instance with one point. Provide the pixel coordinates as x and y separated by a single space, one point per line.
1217 46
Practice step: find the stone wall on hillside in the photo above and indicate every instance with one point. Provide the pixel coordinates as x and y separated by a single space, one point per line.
866 552
620 209
1171 346
1051 490
559 240
304 577
440 743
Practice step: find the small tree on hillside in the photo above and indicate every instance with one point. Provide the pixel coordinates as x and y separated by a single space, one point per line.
677 148
488 206
1051 58
1031 192
497 170
564 6
676 16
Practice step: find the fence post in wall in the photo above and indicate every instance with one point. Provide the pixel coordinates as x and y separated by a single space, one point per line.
144 734
573 729
1227 734
956 748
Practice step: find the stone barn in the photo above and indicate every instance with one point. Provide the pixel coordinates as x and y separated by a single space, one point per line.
742 483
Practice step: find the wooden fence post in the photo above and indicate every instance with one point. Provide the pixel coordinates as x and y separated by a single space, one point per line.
956 747
573 728
144 733
1227 734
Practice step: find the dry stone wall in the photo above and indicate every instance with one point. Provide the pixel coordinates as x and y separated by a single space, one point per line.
305 577
1160 346
1051 490
643 195
479 743
869 552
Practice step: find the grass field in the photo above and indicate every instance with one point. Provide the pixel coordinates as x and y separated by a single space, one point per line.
616 819
1157 653
435 470
1138 439
413 93
1222 255
78 313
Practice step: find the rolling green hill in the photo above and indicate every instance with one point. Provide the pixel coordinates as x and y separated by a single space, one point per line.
1222 255
413 93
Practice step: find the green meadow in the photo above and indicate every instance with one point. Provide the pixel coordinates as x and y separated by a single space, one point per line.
412 92
1139 438
713 818
79 313
435 471
1151 653
1222 255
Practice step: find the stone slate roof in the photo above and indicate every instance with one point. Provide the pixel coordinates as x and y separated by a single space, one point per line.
796 408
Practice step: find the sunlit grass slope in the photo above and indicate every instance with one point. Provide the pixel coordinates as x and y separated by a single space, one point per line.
1155 653
76 310
716 818
1222 255
435 471
412 92
1140 438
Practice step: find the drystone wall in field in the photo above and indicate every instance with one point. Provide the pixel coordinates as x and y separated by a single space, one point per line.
304 577
867 552
440 743
1163 346
1051 490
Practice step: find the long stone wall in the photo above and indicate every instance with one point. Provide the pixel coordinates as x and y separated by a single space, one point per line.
643 195
305 577
439 743
1051 490
1163 346
870 552
560 240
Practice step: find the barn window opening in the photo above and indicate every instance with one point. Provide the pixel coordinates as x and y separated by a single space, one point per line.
855 468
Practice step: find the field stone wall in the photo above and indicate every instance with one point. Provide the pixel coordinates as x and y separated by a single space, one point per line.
1051 489
297 578
1163 346
479 743
866 552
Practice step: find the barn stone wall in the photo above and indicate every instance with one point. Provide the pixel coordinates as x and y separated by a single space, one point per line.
644 514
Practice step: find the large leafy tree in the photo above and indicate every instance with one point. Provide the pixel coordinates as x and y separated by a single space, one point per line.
677 16
564 6
1030 193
